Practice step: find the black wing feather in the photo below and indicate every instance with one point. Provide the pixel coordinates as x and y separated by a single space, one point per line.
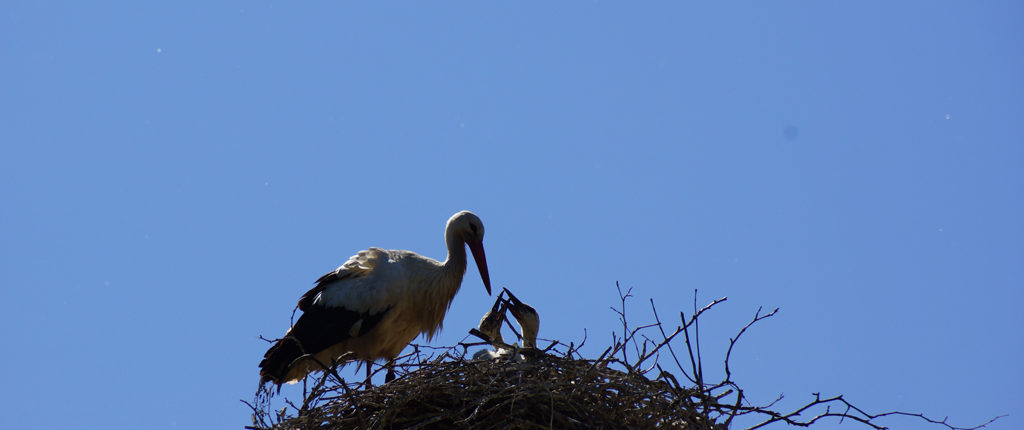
318 328
306 301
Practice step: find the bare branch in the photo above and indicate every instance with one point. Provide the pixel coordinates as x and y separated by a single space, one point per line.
732 341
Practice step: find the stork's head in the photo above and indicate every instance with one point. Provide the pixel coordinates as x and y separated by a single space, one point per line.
468 228
528 318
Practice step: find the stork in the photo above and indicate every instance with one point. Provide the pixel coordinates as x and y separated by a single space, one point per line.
490 325
527 317
374 305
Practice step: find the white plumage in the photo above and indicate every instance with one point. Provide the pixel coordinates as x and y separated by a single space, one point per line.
375 304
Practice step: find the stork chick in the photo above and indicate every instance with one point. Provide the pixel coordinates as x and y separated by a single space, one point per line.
527 317
490 325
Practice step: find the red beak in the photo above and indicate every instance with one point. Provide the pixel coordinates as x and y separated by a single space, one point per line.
481 263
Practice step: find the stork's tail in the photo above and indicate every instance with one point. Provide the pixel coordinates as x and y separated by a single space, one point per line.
278 361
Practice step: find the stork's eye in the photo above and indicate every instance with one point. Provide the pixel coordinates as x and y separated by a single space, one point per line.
473 227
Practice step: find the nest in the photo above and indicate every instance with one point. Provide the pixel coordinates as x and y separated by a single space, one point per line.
557 388
536 391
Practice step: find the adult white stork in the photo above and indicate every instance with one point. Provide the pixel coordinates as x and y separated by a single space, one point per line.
375 304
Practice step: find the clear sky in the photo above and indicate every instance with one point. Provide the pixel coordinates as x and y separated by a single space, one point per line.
174 175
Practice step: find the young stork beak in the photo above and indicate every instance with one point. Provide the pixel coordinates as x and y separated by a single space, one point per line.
515 305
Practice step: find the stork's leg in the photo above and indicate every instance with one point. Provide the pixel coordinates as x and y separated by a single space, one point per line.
391 371
369 383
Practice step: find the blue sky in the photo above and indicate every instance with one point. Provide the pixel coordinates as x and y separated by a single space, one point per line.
175 175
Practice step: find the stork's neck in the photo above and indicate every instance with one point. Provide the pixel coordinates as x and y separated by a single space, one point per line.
455 264
446 281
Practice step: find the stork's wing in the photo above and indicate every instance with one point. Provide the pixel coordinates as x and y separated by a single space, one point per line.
359 265
317 329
